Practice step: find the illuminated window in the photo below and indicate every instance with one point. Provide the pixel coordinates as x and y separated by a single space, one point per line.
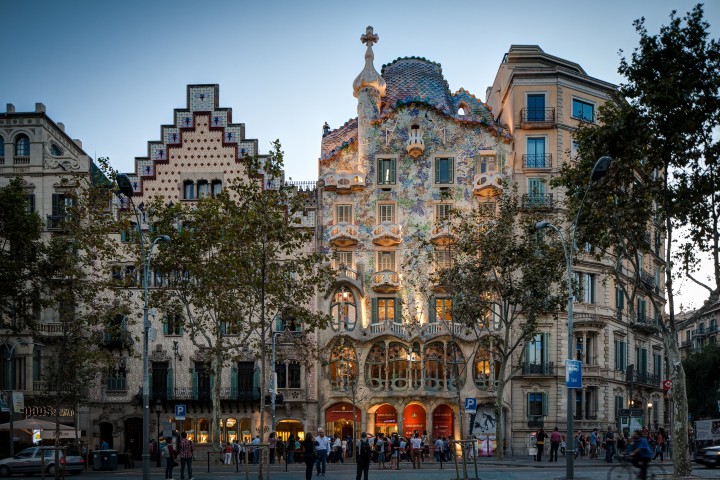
343 214
343 311
386 262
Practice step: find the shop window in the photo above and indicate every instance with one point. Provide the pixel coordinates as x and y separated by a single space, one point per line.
343 310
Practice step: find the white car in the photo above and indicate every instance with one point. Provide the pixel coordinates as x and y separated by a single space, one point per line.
709 456
36 459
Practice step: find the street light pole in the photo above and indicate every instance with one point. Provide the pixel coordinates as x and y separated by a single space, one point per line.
126 188
600 169
11 403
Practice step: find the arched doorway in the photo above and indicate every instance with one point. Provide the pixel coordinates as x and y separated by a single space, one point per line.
386 419
339 418
414 419
106 434
133 437
443 420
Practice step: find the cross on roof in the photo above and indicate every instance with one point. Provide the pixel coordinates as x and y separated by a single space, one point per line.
369 37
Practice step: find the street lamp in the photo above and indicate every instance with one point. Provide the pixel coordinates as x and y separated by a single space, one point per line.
126 188
158 410
600 169
11 403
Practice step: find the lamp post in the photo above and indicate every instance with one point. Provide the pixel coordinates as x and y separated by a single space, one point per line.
125 186
600 169
11 403
158 410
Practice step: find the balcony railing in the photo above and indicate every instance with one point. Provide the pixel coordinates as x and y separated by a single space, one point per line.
387 234
537 161
535 368
21 161
344 235
648 279
537 200
55 222
647 378
49 328
536 421
205 394
537 116
386 281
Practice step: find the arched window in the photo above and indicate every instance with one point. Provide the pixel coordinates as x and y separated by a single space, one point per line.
415 367
22 146
343 311
55 149
433 358
2 147
455 361
398 363
343 368
375 368
483 369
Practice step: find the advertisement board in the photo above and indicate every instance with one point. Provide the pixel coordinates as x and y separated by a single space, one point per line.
707 429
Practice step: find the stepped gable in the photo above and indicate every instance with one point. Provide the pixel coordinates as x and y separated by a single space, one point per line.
418 79
342 137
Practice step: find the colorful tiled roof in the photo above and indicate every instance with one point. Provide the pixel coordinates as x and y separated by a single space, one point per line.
416 78
335 140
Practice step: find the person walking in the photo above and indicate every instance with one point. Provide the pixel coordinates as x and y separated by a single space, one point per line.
169 455
363 457
290 450
660 444
308 446
555 439
540 443
610 443
593 443
416 446
187 450
272 443
322 445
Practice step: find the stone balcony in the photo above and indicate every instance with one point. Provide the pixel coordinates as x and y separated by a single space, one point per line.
387 234
344 182
442 235
488 184
386 281
344 235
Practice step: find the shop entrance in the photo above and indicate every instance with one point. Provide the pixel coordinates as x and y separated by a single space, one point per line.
443 420
285 428
386 419
414 420
339 420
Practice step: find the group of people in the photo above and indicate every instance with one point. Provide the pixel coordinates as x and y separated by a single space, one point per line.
183 450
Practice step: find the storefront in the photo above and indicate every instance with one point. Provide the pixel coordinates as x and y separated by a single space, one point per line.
386 419
339 418
414 419
199 430
285 428
443 420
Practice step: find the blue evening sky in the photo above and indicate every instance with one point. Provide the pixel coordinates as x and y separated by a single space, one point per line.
113 71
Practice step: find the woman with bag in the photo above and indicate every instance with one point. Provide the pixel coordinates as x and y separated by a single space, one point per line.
309 454
169 453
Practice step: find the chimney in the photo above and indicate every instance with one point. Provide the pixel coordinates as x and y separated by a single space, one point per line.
77 142
39 108
10 108
61 126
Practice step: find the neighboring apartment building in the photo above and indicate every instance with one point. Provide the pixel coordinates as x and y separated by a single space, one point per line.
543 98
695 333
37 149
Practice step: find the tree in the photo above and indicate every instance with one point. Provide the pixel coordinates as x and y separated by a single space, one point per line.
503 281
77 285
704 391
659 131
20 253
240 264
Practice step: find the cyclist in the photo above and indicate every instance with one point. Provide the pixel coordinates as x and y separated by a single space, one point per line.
641 453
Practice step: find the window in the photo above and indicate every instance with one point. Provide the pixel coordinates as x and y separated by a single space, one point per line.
536 107
343 258
343 368
293 379
536 404
55 149
385 310
583 110
343 310
536 153
22 146
2 147
536 192
657 365
588 287
537 355
216 187
444 170
641 310
117 378
434 363
483 368
619 404
37 365
60 203
203 189
642 360
386 262
386 171
440 309
619 299
173 324
188 190
485 163
442 212
281 374
375 367
246 380
386 213
343 214
31 202
620 355
443 258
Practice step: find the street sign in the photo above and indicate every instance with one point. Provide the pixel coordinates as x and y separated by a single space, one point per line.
470 405
573 373
180 412
667 385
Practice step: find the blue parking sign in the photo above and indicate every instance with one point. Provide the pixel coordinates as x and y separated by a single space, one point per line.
573 373
180 412
470 405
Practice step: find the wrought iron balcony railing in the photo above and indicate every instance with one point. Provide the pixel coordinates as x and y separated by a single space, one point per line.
537 200
534 368
537 161
530 116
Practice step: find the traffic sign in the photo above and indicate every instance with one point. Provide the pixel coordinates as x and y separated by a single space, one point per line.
470 405
180 412
573 373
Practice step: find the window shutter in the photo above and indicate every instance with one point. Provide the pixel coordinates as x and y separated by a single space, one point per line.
544 404
166 325
432 314
123 236
256 381
437 170
451 170
375 314
545 348
393 179
170 383
527 403
398 310
278 323
234 382
195 384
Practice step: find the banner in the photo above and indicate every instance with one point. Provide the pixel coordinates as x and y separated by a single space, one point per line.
707 430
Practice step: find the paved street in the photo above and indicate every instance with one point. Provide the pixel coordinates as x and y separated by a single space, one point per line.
509 469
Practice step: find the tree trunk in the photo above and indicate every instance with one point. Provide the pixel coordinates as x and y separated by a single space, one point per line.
263 387
681 449
216 367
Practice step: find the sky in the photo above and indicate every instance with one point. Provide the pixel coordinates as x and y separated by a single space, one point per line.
113 71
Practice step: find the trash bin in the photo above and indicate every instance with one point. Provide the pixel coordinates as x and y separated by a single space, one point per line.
105 460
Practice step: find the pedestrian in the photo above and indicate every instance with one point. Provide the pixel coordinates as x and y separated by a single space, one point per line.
380 449
540 443
594 443
641 454
272 443
343 447
338 450
308 446
280 450
290 450
187 450
228 454
660 444
555 440
416 446
104 445
610 444
322 445
363 457
439 450
169 455
395 451
256 449
563 445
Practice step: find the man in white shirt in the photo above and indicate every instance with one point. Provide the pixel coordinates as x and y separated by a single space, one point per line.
416 445
439 449
322 445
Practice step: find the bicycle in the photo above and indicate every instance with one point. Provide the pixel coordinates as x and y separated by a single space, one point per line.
625 470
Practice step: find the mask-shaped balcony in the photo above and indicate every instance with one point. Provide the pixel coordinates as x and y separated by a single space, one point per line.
387 234
442 235
386 281
344 182
344 235
488 184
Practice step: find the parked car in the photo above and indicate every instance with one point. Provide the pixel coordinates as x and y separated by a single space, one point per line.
35 459
709 456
